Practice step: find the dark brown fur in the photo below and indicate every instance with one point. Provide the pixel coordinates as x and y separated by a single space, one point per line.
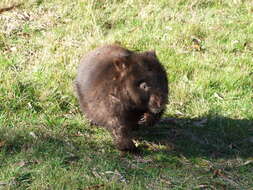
121 90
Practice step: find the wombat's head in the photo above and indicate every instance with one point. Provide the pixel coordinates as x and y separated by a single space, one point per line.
145 80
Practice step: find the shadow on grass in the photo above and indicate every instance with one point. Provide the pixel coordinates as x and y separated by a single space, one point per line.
211 136
39 153
50 151
39 145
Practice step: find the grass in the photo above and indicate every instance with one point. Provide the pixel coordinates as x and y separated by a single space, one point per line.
206 47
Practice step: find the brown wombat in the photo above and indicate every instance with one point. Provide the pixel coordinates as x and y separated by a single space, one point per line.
121 89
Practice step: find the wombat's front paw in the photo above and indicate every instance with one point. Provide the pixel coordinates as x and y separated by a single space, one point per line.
147 120
126 145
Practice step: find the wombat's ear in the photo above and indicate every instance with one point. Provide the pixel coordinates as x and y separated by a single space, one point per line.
151 53
121 63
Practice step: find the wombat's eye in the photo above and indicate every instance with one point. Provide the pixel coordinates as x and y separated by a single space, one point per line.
143 86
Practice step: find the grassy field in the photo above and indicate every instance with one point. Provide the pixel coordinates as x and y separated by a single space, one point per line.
206 47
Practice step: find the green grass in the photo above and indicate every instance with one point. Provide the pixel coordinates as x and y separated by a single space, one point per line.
206 47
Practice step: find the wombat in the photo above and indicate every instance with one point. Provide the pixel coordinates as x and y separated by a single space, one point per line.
121 90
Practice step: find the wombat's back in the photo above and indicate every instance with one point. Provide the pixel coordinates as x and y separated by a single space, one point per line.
95 64
94 78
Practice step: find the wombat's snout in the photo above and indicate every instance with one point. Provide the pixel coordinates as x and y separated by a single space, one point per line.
157 103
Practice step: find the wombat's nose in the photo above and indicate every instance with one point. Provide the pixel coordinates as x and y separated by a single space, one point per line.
156 103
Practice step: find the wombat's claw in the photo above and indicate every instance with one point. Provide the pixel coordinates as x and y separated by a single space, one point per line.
142 121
